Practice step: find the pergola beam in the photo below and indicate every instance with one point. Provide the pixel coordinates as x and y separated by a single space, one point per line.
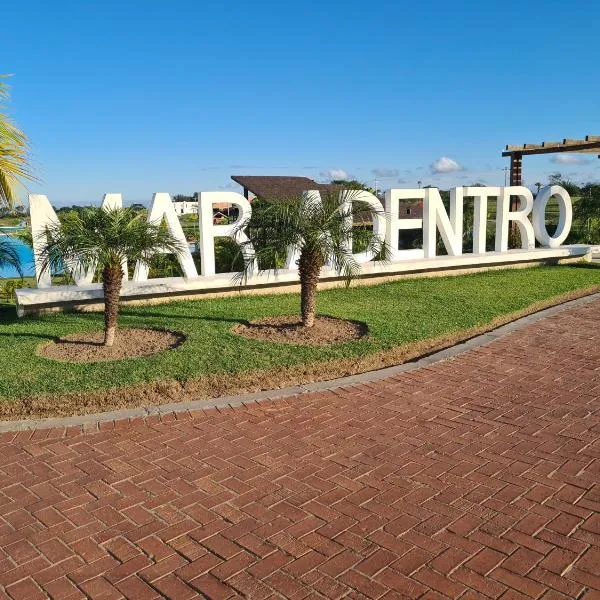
589 145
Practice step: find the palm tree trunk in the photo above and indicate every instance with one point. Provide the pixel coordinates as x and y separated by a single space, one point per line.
309 267
112 278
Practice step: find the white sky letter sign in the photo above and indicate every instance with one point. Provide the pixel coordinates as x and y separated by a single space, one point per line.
564 220
438 218
435 218
42 215
378 219
346 198
162 208
209 231
394 223
480 196
520 217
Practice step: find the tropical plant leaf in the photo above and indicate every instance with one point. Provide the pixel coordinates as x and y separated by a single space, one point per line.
97 237
14 154
330 228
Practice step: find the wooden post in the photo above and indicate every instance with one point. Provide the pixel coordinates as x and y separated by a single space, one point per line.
516 160
516 178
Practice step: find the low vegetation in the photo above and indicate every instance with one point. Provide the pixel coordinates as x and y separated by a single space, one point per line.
104 240
404 318
320 232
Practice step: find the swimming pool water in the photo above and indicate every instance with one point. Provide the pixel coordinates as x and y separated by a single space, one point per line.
25 253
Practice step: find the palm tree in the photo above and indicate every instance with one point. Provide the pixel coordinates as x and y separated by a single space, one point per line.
319 232
104 239
9 255
14 154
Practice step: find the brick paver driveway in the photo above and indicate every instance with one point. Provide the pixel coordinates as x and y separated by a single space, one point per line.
478 477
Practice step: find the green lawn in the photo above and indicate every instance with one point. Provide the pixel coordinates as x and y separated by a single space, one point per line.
397 314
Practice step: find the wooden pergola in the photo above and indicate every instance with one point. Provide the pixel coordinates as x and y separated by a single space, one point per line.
589 145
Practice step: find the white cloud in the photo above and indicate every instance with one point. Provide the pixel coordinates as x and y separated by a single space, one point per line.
385 173
336 174
568 159
445 165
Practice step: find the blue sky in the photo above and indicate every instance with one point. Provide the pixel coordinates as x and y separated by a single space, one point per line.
144 96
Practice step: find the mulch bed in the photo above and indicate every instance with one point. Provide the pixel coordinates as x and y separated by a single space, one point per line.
129 343
289 330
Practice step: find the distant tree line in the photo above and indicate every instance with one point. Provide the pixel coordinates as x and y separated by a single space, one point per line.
586 210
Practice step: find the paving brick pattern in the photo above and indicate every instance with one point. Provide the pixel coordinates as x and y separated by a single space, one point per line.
478 477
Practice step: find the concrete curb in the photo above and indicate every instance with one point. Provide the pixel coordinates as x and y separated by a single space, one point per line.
92 420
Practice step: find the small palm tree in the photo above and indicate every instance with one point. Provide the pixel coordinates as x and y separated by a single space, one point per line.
321 232
104 239
9 257
14 154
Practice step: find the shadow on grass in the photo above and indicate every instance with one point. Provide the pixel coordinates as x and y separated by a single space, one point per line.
41 336
583 265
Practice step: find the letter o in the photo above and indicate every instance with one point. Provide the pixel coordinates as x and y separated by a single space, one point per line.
564 220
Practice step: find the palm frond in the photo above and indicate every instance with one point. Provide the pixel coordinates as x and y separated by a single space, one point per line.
326 227
99 237
14 154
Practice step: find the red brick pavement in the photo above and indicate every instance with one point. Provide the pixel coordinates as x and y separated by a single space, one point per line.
478 477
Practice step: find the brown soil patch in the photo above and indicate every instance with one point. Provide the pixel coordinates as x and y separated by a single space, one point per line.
223 384
129 343
289 330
